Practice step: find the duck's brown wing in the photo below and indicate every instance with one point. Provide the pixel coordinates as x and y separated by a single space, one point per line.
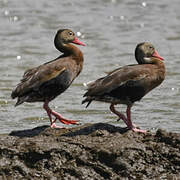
115 79
34 78
119 84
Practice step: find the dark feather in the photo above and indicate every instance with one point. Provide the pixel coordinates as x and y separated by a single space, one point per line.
124 85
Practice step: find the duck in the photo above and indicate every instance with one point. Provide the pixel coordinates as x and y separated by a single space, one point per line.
47 81
128 84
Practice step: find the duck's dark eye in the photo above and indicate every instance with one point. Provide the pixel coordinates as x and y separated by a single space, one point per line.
150 47
70 33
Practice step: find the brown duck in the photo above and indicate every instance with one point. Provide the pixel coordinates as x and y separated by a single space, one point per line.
130 83
45 82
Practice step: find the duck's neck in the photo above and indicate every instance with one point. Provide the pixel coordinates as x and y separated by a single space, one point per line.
160 66
69 50
153 60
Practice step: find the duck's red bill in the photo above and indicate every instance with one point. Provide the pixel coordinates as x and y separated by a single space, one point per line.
77 41
157 55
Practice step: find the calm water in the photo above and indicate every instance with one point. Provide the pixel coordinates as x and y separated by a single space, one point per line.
110 29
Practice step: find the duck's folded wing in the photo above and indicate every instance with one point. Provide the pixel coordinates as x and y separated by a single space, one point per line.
122 76
34 78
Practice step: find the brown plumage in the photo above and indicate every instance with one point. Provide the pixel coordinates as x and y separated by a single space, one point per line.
47 81
130 83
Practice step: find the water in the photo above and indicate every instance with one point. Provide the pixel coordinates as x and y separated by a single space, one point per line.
110 29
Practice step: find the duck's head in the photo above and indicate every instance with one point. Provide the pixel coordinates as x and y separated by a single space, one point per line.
66 36
145 52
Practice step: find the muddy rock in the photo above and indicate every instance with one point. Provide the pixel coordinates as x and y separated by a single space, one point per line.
92 151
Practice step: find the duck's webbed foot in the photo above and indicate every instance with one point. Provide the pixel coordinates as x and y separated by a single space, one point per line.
139 130
62 119
57 116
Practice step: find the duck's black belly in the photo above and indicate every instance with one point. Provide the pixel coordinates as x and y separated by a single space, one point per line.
131 91
54 87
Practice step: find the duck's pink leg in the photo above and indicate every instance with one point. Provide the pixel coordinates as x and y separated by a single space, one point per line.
50 112
120 115
129 122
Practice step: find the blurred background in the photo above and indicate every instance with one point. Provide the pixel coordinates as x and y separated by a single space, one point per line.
111 30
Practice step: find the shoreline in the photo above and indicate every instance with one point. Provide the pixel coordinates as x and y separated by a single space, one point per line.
90 151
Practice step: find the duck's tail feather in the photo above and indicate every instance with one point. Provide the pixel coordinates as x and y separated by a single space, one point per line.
88 101
21 100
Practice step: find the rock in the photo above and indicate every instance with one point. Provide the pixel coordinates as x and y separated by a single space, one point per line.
98 151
